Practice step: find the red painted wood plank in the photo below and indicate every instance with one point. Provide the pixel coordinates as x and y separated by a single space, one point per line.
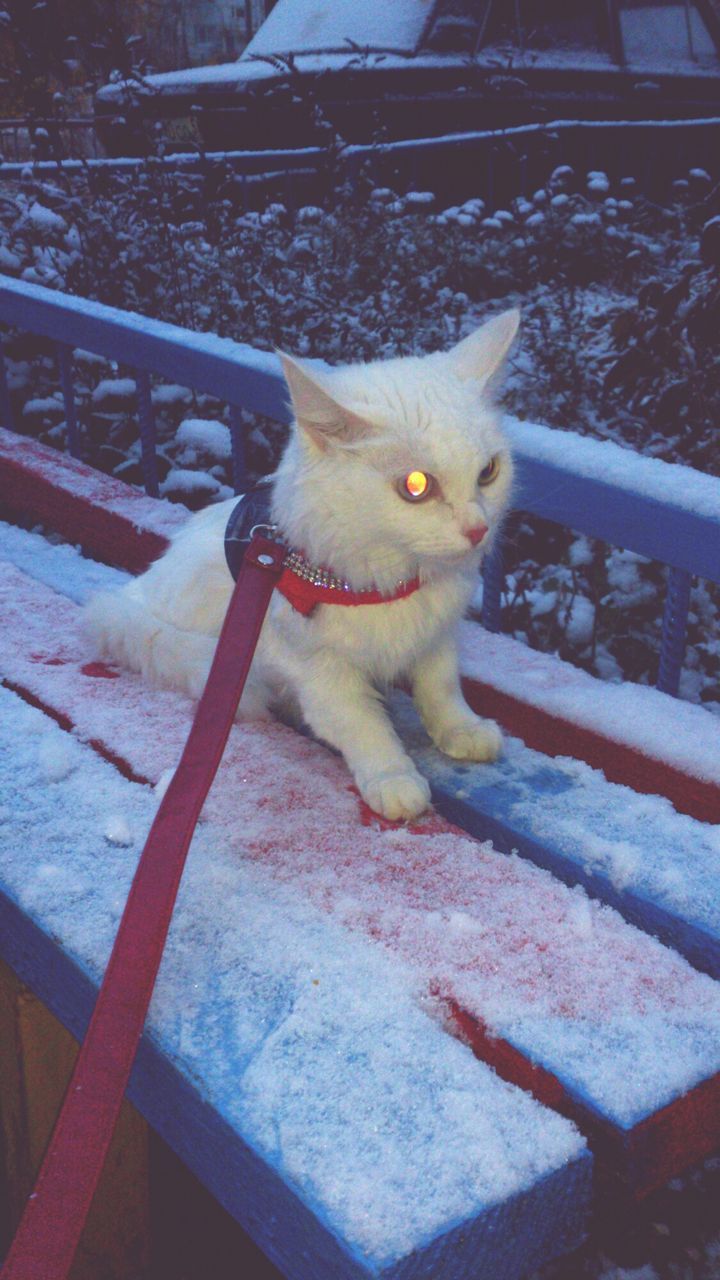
644 1157
556 736
110 520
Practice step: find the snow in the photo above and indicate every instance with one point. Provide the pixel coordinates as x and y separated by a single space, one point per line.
206 434
180 480
57 757
114 389
117 830
313 1043
662 727
56 564
170 394
623 1020
58 469
394 58
43 405
670 483
310 25
43 219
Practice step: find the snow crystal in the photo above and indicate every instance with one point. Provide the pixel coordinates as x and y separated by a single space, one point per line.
180 480
43 219
117 829
57 757
170 394
114 389
206 434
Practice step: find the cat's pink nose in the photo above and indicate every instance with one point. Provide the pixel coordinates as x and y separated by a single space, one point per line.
477 534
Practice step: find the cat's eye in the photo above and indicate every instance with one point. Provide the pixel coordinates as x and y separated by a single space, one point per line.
416 486
490 472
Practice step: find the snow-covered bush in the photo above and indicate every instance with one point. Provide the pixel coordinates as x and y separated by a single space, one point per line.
620 299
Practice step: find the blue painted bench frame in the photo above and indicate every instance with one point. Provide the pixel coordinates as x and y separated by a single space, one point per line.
249 379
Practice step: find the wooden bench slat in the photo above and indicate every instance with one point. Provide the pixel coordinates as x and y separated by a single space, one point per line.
285 1061
637 736
146 727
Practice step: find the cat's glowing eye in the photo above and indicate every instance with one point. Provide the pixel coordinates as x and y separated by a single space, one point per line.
489 473
416 486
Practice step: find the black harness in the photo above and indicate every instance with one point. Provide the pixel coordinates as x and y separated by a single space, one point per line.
251 509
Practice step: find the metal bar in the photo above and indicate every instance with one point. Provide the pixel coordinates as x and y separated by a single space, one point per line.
675 619
7 417
493 583
615 32
64 359
237 439
148 433
688 27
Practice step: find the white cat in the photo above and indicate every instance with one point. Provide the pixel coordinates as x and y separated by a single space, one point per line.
394 471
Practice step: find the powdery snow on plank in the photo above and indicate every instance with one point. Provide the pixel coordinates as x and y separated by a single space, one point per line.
625 1024
309 1043
664 728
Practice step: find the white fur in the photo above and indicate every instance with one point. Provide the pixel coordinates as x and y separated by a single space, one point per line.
358 430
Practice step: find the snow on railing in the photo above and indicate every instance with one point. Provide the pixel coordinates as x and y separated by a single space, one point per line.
666 512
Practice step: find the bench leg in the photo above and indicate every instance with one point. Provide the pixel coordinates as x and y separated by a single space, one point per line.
36 1058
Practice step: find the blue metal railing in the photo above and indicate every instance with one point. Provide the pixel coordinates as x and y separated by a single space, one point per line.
597 489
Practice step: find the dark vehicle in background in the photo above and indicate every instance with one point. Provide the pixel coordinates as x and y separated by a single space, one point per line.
384 72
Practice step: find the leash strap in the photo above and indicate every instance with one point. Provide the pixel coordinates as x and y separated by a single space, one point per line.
51 1225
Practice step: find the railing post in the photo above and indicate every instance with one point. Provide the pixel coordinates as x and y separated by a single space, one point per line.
64 359
493 583
7 417
148 433
237 440
675 618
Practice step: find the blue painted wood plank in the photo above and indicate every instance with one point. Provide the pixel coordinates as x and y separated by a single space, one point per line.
653 865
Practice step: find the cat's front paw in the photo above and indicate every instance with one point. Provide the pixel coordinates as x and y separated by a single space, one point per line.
397 796
474 739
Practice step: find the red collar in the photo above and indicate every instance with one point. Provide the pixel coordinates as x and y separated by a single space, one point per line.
305 587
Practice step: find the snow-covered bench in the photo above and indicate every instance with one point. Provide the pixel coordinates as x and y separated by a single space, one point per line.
297 1055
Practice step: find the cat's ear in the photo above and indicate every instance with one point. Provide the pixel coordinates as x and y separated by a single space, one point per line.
480 355
319 415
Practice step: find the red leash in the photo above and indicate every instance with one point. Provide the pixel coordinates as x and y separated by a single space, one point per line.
51 1225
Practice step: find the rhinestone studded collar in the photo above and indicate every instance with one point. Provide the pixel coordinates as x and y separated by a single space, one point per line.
304 584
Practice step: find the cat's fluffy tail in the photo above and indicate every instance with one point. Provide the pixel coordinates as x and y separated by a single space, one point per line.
126 631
